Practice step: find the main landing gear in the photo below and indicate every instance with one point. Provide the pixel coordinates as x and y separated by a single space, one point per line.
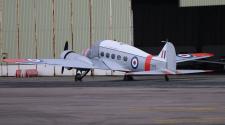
128 78
80 74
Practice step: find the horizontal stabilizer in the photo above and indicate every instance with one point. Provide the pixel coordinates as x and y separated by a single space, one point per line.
192 56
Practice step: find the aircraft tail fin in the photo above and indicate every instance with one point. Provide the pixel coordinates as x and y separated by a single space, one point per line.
168 54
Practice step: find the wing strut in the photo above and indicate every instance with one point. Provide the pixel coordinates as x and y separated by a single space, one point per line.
80 74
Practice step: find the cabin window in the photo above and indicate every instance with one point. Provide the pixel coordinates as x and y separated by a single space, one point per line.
113 56
125 58
118 57
102 54
107 55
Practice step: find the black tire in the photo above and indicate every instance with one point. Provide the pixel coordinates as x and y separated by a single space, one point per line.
128 78
78 77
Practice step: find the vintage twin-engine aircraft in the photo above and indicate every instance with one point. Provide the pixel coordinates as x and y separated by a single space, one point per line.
117 56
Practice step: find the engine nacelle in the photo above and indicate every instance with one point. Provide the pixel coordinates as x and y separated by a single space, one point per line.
64 54
69 54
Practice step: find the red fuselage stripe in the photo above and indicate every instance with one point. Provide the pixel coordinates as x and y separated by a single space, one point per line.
148 63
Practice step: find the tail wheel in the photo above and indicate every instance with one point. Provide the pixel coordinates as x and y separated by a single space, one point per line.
128 78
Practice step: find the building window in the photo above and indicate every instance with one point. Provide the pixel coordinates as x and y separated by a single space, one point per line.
102 54
125 58
113 56
118 57
107 55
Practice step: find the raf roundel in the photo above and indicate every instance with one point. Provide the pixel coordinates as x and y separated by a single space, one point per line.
185 55
134 62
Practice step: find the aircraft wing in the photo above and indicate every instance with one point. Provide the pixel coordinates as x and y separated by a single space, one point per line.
61 62
193 56
80 62
167 72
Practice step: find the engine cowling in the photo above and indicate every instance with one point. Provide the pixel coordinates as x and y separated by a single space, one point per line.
68 54
64 54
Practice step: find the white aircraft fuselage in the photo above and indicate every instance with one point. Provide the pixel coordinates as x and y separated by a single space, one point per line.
127 56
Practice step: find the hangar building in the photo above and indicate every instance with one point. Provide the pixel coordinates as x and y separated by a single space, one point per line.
39 28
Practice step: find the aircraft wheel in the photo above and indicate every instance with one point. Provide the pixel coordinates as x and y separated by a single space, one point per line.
78 77
128 78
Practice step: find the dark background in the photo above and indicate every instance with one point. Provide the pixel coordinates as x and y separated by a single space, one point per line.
196 27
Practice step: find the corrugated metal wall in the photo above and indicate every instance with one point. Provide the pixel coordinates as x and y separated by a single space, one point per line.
34 20
188 3
9 28
81 24
39 28
1 8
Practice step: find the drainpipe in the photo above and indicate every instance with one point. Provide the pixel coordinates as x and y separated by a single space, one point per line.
35 33
131 23
110 23
18 29
90 29
71 26
53 29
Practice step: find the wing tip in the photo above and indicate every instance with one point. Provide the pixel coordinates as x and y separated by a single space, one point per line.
13 60
203 54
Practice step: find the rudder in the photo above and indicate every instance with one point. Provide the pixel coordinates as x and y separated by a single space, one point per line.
168 54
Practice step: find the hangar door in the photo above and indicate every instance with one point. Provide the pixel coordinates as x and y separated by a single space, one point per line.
157 20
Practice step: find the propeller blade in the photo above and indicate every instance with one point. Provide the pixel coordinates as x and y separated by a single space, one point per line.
62 70
66 46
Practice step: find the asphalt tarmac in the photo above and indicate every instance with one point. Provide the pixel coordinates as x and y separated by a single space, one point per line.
191 99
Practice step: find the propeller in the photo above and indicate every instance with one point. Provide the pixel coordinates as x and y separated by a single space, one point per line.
62 70
65 48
